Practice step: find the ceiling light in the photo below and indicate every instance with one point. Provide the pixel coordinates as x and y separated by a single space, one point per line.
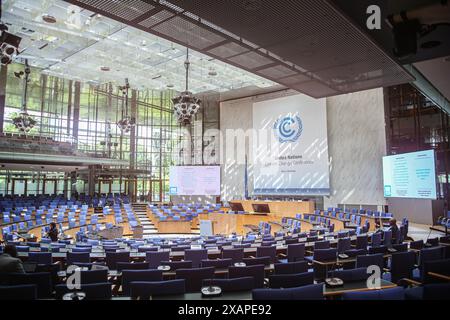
126 123
170 85
186 105
104 68
48 18
212 72
23 121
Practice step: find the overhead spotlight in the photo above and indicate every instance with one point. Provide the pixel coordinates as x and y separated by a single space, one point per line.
170 85
9 46
19 74
48 18
212 72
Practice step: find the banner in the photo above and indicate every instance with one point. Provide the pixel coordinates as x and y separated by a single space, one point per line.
290 147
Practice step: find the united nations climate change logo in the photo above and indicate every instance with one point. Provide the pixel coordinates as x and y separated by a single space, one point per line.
288 128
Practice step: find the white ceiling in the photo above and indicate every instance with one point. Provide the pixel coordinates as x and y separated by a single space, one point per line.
437 71
78 50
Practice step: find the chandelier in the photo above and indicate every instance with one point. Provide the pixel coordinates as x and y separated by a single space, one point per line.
126 123
24 122
186 105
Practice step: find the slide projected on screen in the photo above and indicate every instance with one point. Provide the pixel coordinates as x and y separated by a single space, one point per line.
410 175
194 180
290 153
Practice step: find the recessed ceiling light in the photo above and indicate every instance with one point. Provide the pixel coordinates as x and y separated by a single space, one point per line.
170 85
104 68
48 18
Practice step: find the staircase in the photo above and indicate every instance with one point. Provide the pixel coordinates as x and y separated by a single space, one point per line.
140 209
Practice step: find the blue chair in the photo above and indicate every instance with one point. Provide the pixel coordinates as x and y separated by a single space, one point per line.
175 265
196 256
402 266
344 244
270 252
93 291
93 276
278 281
350 275
427 255
144 290
397 293
23 248
436 266
321 245
113 257
154 259
42 280
378 249
194 277
236 254
218 263
132 266
257 272
147 249
138 275
231 285
387 238
309 292
255 261
73 258
291 267
295 252
375 239
433 291
43 258
18 292
365 261
81 250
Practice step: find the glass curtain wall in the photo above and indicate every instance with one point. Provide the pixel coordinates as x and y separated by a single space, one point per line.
414 123
51 101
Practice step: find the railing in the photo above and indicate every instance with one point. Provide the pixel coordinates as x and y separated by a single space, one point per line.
63 145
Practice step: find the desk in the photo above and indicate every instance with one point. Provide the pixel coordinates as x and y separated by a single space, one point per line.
280 208
354 287
173 226
226 223
247 295
239 295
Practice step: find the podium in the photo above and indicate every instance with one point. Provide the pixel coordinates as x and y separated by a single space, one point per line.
206 228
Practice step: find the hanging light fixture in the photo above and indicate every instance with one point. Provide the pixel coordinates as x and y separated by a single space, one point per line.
186 105
24 122
126 123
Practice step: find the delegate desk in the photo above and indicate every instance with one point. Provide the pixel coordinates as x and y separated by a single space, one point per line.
339 224
173 226
328 293
227 223
279 208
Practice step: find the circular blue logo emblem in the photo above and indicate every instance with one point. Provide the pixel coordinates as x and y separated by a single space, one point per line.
288 128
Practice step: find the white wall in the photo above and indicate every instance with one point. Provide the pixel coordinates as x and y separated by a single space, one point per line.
356 145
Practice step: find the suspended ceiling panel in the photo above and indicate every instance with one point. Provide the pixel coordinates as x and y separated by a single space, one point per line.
77 47
307 45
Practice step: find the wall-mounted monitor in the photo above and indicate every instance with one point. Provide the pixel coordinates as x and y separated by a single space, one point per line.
410 175
194 181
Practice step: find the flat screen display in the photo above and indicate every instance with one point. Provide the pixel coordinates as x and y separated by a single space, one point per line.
410 175
194 180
